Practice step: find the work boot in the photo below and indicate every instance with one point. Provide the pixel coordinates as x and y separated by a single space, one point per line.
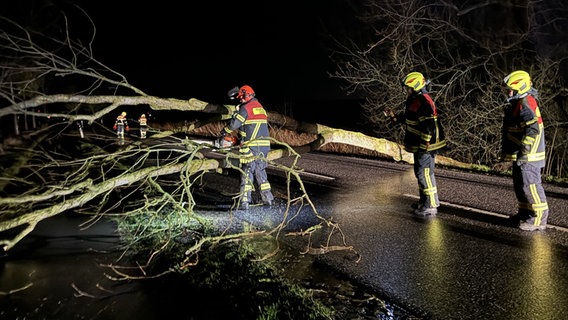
416 205
527 226
425 211
531 225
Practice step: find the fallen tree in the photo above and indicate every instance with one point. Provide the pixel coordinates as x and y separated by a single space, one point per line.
20 210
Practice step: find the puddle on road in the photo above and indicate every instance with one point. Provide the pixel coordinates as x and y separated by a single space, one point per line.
58 272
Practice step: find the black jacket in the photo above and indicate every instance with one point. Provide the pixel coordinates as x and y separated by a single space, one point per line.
423 129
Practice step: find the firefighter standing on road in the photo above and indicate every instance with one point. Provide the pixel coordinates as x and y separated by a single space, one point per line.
252 122
121 125
143 126
523 143
424 137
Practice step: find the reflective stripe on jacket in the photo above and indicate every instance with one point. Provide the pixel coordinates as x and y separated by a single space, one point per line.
523 132
422 124
252 122
121 121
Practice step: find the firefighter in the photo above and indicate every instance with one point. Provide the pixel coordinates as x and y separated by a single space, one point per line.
143 126
252 122
121 125
424 137
523 143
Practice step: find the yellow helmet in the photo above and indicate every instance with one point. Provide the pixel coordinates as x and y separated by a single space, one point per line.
519 81
414 80
123 114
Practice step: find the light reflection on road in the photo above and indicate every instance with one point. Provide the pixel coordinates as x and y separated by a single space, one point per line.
465 263
539 278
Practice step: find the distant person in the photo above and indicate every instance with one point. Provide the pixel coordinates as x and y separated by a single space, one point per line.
252 122
523 143
423 137
121 125
143 122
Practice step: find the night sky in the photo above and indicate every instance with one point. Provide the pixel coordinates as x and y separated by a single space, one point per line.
178 49
279 48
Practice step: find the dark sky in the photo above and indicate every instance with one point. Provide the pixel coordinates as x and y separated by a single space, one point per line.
184 49
201 49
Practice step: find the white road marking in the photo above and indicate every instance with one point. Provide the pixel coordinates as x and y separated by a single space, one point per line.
457 206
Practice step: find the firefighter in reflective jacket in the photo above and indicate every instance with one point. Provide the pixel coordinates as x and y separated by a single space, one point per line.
252 122
523 143
143 122
121 125
423 137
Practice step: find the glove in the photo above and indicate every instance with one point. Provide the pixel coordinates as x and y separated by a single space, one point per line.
127 129
114 128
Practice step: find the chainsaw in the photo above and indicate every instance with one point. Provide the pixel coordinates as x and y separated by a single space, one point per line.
226 142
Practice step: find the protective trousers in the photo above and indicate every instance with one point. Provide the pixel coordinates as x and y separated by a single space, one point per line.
530 194
424 163
255 171
120 130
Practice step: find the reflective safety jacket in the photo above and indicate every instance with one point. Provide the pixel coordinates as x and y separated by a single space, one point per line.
422 124
121 121
252 121
523 131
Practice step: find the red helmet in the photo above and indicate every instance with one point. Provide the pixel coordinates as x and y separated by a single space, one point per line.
246 93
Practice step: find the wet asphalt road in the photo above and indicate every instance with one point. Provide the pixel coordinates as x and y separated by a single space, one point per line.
465 263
